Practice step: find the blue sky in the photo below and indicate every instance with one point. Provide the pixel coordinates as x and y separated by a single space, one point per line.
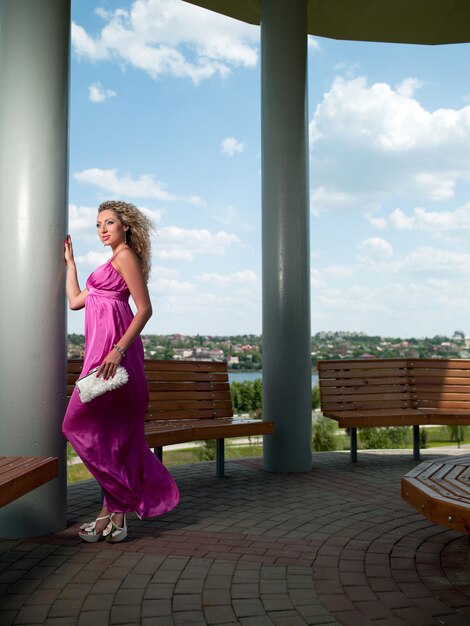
165 112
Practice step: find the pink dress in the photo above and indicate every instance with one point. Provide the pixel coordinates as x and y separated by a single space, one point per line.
108 432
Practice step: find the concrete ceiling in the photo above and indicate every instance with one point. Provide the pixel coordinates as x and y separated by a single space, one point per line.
396 21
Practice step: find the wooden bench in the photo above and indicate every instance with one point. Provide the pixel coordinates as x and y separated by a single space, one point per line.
188 401
395 392
21 474
440 490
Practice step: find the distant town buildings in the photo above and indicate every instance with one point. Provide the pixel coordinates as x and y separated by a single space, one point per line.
244 352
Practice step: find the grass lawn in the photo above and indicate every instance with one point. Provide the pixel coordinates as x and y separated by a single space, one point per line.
436 437
436 443
171 457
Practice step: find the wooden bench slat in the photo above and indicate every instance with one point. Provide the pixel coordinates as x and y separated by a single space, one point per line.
194 395
187 405
361 364
360 373
365 405
188 376
440 490
6 461
372 422
180 386
21 475
189 414
188 401
455 478
199 430
364 382
13 466
432 379
433 391
364 388
447 405
443 364
360 396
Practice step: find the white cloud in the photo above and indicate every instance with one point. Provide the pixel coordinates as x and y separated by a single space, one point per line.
370 142
349 70
379 222
230 146
378 255
430 259
93 258
400 220
228 216
439 283
408 87
170 37
403 309
183 244
355 298
164 272
97 93
376 247
124 185
81 217
226 280
166 286
324 198
313 43
85 46
316 278
338 271
435 222
209 311
154 214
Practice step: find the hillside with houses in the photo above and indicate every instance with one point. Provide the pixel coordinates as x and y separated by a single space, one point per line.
244 352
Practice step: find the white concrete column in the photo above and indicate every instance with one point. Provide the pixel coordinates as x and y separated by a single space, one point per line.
34 81
286 263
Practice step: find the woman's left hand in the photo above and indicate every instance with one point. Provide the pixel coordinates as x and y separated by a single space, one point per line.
109 365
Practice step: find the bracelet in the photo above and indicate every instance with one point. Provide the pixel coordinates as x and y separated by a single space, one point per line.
120 350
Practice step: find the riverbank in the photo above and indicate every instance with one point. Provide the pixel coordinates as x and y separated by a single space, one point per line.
241 376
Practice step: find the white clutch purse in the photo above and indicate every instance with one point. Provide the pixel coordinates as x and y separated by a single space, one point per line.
90 387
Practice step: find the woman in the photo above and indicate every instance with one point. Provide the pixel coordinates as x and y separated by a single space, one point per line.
108 432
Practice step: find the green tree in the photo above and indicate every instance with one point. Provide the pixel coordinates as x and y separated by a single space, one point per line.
324 436
390 437
315 397
235 391
258 397
246 397
207 450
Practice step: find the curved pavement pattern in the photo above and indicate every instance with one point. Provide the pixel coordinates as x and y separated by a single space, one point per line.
333 546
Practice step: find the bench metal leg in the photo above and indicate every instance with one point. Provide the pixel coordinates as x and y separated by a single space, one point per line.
220 460
353 445
416 454
158 452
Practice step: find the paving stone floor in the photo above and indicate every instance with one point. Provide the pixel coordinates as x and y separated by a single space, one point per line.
336 545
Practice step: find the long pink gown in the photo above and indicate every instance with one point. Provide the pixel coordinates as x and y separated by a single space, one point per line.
108 432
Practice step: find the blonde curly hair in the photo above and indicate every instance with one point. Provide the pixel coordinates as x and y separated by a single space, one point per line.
138 235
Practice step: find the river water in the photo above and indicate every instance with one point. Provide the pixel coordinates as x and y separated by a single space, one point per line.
241 377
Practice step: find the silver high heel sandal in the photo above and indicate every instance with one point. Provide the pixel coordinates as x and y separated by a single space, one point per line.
89 529
113 533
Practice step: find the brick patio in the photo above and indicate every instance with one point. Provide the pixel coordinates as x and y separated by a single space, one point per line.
333 546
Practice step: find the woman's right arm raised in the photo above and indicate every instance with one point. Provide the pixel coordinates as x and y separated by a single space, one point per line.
75 296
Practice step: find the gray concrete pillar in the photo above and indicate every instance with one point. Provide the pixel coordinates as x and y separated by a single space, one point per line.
34 80
286 257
